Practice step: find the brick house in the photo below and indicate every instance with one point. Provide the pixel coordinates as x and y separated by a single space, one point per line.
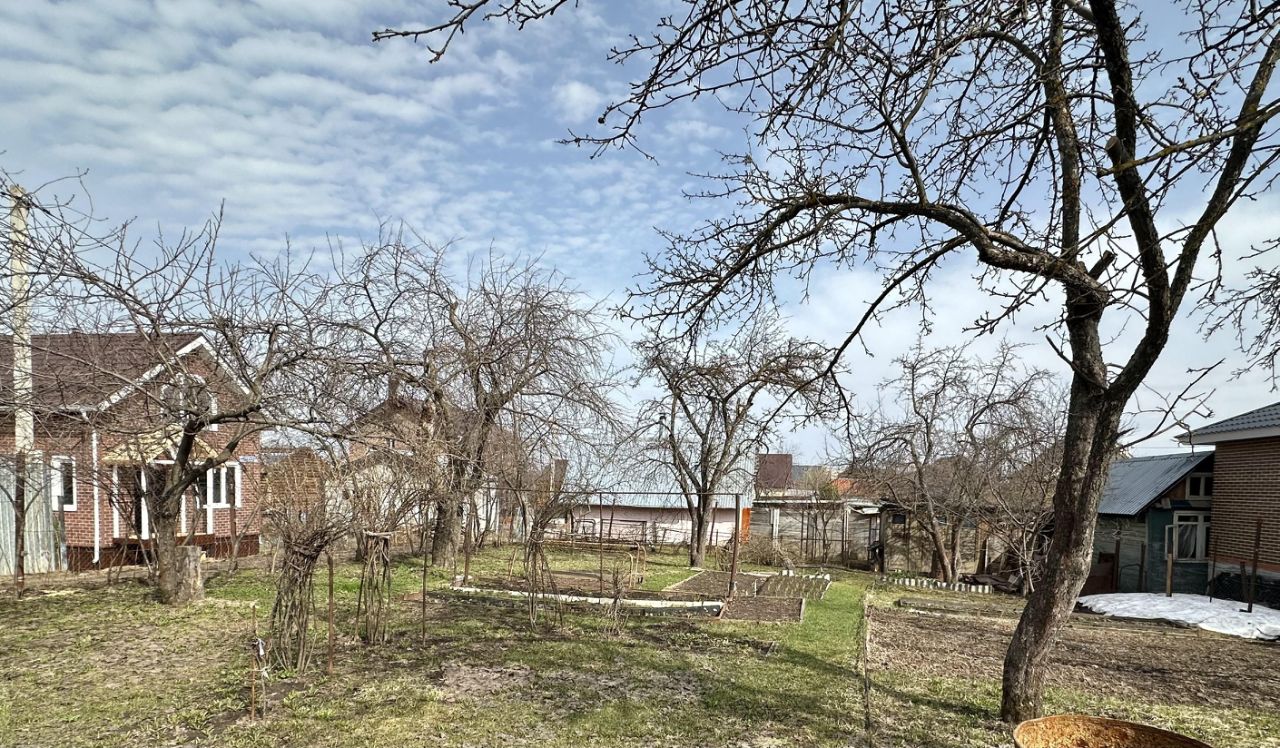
1246 491
103 440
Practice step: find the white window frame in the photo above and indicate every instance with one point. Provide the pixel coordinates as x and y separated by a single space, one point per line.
56 466
1204 524
1200 477
219 501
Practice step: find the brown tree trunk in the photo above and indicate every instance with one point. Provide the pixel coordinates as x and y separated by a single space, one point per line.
701 533
444 541
178 576
20 524
1092 430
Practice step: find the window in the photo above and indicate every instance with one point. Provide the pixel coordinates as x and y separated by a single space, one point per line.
1190 536
1200 486
189 396
62 483
222 487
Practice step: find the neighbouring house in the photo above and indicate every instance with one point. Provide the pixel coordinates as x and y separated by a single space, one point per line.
101 441
1152 507
657 519
1246 497
385 473
813 511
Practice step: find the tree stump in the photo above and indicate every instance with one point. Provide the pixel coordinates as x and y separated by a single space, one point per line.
190 575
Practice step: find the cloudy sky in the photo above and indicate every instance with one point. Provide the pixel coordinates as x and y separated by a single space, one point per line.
288 114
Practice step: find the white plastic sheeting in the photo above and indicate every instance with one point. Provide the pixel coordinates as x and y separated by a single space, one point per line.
1222 616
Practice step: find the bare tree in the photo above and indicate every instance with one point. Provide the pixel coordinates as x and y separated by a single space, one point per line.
1054 140
934 443
717 405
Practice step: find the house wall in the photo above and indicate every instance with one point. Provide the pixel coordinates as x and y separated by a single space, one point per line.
1246 489
69 436
798 530
659 525
1149 528
1132 533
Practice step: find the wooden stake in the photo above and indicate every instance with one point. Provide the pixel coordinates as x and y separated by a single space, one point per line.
737 534
1168 575
329 663
1115 569
253 666
1253 578
1142 568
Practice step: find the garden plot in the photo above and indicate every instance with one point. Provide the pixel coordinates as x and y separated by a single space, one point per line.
935 667
758 597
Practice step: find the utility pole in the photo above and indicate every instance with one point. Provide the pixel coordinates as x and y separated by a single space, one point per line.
23 414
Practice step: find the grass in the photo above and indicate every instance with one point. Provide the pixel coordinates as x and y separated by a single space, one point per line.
110 666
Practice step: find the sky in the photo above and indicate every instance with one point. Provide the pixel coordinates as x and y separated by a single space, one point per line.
286 116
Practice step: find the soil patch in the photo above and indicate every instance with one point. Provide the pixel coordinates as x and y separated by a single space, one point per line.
764 609
1161 665
715 584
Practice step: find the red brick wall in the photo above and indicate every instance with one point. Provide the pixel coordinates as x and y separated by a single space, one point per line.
1247 488
68 436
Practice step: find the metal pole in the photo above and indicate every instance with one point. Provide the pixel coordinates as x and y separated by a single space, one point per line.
737 535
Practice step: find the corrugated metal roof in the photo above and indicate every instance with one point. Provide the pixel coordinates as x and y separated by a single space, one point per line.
1136 482
1266 417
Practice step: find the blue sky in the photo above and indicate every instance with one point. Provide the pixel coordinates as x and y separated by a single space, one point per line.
307 130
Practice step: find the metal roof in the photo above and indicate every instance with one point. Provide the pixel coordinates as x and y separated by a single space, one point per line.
1266 417
1136 482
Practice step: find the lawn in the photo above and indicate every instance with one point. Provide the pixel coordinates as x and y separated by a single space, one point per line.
108 666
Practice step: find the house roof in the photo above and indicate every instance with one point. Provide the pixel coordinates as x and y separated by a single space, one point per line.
1257 423
79 370
1136 482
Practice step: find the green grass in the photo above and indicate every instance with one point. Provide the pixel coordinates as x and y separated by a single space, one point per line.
110 666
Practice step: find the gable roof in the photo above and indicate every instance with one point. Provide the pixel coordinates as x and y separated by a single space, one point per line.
83 371
1136 482
1256 424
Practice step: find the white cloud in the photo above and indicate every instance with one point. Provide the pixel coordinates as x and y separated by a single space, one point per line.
577 102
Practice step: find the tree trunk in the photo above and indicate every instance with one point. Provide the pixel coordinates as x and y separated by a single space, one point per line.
178 576
701 532
444 541
20 524
1093 427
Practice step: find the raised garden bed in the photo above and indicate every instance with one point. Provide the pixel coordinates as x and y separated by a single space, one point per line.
771 609
716 584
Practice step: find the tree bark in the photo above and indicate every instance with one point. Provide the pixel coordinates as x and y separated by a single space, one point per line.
20 524
444 541
701 534
178 575
1092 430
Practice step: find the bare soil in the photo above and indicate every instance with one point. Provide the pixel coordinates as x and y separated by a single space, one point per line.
1164 665
770 609
716 584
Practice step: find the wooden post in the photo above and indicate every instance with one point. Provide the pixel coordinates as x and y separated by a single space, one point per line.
1142 568
329 664
1115 569
737 534
1253 577
1213 564
1168 575
253 666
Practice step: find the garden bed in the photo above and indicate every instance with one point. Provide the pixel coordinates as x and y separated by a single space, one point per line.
766 609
